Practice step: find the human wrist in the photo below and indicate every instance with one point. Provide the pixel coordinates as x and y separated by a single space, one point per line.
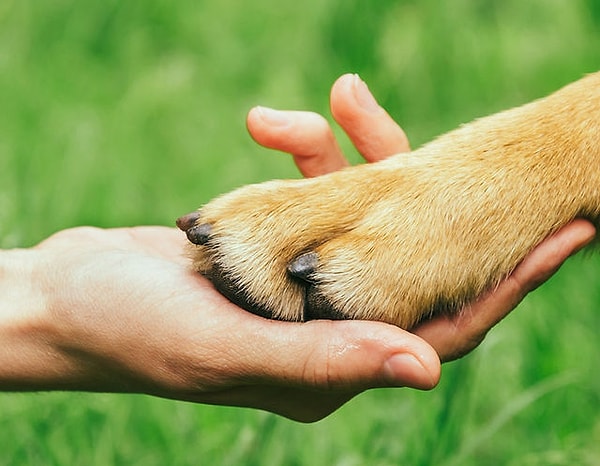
28 358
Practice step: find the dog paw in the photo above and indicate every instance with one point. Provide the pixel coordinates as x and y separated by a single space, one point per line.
380 242
265 246
414 235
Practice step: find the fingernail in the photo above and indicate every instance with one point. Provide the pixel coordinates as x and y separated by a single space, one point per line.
363 96
273 117
404 369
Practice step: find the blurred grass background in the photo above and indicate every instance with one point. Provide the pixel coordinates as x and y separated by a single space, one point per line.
124 113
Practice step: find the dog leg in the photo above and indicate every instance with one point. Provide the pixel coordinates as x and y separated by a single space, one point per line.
416 234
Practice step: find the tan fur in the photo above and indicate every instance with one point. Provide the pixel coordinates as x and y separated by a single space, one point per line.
422 232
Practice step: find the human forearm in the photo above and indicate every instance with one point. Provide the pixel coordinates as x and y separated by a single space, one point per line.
38 347
27 358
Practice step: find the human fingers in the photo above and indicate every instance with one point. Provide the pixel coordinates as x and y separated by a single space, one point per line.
370 128
455 336
305 371
338 356
305 135
549 255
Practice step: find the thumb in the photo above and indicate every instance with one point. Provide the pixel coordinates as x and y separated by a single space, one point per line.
342 355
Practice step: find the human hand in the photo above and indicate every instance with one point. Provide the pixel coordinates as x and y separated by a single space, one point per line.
121 311
309 138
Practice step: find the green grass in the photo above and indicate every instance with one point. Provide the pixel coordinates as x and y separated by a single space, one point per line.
122 113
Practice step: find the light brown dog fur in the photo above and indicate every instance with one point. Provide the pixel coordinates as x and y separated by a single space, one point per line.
416 234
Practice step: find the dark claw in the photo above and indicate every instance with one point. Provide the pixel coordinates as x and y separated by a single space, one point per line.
316 306
186 222
304 267
200 234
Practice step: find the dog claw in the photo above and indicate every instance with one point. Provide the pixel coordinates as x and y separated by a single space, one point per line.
304 267
185 222
199 234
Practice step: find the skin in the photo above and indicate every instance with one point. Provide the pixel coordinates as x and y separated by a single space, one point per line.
119 310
